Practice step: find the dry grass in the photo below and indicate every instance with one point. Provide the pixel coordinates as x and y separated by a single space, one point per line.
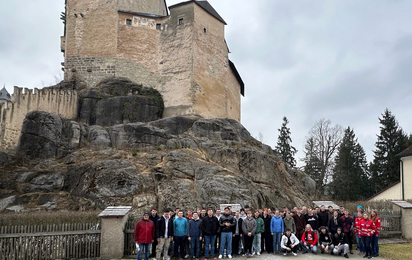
43 218
396 251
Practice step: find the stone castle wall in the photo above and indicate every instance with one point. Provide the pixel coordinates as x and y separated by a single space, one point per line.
12 114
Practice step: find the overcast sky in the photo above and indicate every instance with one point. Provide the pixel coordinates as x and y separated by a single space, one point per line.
343 60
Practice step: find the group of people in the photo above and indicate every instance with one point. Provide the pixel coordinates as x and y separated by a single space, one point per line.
246 232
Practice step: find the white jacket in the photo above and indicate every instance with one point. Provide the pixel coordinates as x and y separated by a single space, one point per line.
284 241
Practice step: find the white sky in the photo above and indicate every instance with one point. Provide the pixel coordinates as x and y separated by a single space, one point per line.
304 59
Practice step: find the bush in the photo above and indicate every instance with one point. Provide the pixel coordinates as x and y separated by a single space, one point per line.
44 218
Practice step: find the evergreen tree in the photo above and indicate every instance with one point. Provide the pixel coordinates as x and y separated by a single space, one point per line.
391 141
284 145
350 176
320 150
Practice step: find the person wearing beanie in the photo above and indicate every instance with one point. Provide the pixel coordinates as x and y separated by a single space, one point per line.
340 242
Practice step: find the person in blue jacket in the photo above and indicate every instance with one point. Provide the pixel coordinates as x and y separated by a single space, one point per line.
277 229
195 235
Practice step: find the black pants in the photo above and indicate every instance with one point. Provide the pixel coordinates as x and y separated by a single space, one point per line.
180 242
269 242
350 238
262 242
154 244
217 243
248 243
294 250
235 244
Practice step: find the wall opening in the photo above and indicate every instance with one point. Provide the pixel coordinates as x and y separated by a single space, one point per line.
204 30
128 21
158 26
180 21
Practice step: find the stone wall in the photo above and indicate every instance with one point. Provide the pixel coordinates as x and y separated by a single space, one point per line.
12 114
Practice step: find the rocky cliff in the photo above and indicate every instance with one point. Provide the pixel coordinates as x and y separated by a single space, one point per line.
186 162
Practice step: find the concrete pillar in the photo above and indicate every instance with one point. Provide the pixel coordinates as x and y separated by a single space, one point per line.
406 219
113 220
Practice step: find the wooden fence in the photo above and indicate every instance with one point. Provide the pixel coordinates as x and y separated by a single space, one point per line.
390 224
64 241
129 244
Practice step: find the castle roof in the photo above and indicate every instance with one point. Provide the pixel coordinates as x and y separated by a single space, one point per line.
239 79
4 94
206 6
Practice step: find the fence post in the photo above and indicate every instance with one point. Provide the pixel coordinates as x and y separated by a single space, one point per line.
406 219
113 220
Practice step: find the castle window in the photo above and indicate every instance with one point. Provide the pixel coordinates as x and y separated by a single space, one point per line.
128 21
180 21
204 30
158 26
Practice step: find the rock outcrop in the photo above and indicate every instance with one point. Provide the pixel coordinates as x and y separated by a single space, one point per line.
185 162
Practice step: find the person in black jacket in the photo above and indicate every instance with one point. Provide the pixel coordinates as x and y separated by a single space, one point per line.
341 243
154 217
323 216
164 234
325 241
227 222
335 223
210 226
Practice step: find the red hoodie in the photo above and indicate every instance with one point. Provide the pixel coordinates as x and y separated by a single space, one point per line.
378 225
144 231
310 237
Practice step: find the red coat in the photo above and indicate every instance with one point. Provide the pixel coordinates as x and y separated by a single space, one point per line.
144 231
367 227
378 225
357 226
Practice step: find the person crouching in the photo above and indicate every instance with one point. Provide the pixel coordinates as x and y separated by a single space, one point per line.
289 243
341 243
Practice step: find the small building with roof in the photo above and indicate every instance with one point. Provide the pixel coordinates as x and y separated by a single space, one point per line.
401 190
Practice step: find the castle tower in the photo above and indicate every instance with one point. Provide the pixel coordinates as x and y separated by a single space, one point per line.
4 95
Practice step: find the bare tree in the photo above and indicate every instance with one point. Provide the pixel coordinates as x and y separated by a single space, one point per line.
320 149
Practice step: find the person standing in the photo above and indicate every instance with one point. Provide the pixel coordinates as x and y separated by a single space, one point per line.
335 223
217 240
289 243
249 229
300 223
375 237
209 227
154 217
260 228
180 227
227 223
144 233
195 235
268 236
164 235
357 230
367 231
347 223
312 219
237 234
276 229
323 216
289 223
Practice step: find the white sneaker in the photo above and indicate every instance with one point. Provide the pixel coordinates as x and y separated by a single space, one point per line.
294 254
253 253
154 258
285 253
220 256
258 253
230 256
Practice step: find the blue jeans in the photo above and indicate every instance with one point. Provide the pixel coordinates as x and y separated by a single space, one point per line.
314 248
194 242
276 241
257 242
210 241
375 244
226 240
360 244
367 242
146 248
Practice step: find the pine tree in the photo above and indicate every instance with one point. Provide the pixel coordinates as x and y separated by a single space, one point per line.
391 141
350 175
284 145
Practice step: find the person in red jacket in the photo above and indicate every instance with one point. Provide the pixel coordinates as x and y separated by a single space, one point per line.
357 231
309 240
367 231
144 233
375 237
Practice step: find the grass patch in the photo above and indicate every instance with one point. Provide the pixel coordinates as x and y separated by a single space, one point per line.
396 251
44 218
